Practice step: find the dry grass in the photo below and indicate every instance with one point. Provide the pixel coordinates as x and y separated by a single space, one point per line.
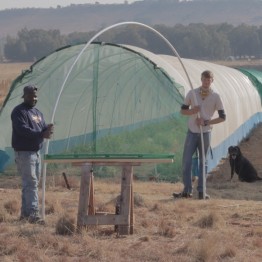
226 228
165 229
9 72
245 63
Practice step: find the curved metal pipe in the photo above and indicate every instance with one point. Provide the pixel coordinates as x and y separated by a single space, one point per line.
70 70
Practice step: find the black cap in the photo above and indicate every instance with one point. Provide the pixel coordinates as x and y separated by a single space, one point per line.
30 89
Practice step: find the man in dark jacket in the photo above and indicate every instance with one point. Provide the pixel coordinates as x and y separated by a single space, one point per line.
28 132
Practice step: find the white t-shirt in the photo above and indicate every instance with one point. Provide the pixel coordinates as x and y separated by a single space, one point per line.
208 106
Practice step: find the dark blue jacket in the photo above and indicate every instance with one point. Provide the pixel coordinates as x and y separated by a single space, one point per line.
28 125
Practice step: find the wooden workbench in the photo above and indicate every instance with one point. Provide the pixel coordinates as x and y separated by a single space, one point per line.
124 219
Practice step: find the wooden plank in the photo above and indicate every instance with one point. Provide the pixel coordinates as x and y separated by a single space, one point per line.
103 164
116 161
110 219
132 209
84 195
108 156
91 205
127 177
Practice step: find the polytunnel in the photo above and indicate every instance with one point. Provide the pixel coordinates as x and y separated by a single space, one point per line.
124 99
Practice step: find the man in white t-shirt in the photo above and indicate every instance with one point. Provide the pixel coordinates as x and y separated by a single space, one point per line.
200 105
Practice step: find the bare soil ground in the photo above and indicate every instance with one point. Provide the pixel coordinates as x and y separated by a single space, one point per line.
251 149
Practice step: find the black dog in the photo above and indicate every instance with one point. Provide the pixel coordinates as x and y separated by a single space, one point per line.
239 164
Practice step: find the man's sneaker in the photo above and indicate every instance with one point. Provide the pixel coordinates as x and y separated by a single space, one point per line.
36 220
201 196
182 195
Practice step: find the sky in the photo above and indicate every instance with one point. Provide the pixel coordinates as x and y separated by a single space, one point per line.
7 4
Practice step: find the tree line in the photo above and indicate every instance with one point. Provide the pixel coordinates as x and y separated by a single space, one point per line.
196 41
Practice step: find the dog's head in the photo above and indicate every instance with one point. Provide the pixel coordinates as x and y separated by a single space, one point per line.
234 152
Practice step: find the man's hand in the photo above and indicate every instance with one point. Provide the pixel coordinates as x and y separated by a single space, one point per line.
195 110
200 121
49 131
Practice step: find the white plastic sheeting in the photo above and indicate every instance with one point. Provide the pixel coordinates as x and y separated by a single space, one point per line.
240 98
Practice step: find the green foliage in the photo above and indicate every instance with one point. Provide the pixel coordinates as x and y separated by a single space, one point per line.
197 41
31 45
78 37
245 40
162 137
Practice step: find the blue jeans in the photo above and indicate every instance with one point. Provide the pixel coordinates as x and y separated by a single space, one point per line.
29 167
193 142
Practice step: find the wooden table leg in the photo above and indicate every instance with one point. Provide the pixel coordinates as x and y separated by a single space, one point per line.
91 206
86 195
126 199
132 210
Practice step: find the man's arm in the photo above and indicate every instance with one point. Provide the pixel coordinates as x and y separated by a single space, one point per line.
221 118
185 110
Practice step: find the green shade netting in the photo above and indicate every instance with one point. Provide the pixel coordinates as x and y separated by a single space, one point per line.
115 100
255 77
